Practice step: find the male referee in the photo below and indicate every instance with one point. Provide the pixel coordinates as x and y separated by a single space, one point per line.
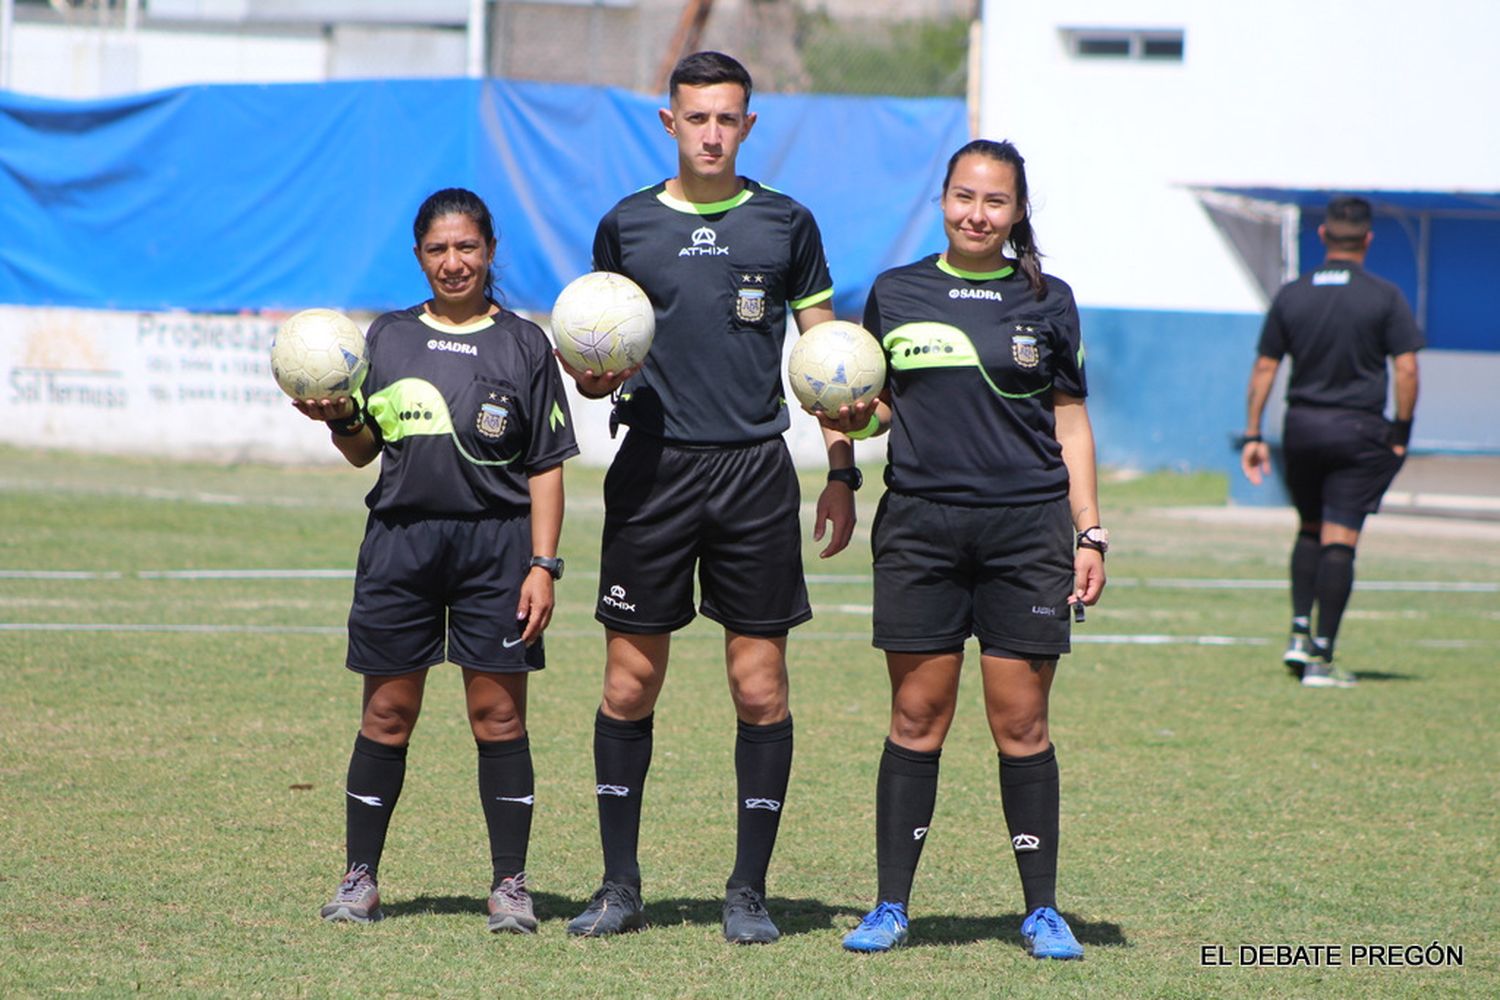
704 478
1339 324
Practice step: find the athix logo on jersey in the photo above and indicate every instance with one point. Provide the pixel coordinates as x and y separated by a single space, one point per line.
1023 347
453 347
493 416
1026 842
618 791
919 833
770 805
975 293
369 800
616 599
705 244
525 800
1330 277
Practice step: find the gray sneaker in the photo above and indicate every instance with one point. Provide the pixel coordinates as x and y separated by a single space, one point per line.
1300 651
745 918
1320 673
510 907
357 900
615 908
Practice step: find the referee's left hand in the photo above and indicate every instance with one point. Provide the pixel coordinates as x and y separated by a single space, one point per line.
835 506
1088 576
535 606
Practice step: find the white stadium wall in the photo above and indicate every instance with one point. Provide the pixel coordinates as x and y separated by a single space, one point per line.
1289 93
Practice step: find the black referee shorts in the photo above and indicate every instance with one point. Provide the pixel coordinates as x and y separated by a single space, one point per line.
1338 465
421 577
729 510
944 572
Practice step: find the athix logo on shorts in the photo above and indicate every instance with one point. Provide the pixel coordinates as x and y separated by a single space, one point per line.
919 833
453 346
705 244
975 293
618 791
1040 609
1026 842
616 599
770 805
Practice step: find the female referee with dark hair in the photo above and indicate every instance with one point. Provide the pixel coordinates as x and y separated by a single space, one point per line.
465 407
977 532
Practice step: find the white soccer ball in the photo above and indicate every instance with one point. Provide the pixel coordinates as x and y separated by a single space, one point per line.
836 364
319 354
603 322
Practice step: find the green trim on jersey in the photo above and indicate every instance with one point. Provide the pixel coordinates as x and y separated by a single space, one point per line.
441 326
947 268
413 407
913 346
707 208
812 300
556 417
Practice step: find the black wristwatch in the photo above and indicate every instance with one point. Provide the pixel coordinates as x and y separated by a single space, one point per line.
850 477
347 426
552 565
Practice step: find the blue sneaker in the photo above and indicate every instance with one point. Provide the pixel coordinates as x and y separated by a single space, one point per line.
882 929
1047 935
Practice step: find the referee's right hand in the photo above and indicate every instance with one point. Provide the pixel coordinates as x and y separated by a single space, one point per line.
1255 461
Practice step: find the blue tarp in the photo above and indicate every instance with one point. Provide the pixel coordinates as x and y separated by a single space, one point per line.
236 197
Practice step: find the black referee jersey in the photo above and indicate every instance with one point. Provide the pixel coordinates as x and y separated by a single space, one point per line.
463 413
721 277
1339 323
973 361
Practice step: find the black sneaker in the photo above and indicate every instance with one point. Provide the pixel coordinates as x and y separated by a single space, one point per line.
745 918
614 909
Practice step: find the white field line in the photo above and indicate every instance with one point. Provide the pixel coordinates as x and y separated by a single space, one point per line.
1162 583
576 633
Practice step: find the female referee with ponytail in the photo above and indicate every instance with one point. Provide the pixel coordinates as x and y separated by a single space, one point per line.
989 526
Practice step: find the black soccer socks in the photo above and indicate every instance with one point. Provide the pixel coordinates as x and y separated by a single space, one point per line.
1029 794
905 795
762 767
376 773
1335 582
622 756
507 789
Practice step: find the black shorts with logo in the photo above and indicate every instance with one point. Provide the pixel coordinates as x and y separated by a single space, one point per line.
1338 465
422 577
729 510
944 572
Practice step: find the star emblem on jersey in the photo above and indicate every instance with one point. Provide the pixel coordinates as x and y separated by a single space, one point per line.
1023 347
493 418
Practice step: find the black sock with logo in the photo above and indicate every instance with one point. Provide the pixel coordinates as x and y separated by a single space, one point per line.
905 796
622 756
507 790
376 774
1029 795
762 768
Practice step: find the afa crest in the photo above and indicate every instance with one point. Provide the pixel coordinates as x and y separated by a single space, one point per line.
1023 347
750 305
493 418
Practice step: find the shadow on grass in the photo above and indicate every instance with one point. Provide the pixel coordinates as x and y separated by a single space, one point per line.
942 930
1382 675
792 916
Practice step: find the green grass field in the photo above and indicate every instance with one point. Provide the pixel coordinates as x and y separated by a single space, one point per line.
173 742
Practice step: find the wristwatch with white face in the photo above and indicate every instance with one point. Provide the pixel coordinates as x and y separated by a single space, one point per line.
1095 538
